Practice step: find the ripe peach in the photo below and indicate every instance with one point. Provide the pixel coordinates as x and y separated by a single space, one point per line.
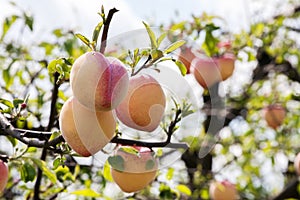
222 191
97 82
297 164
226 65
274 115
186 56
86 131
144 104
137 170
205 71
3 175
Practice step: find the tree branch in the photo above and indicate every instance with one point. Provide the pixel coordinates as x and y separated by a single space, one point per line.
106 27
8 129
290 191
53 113
167 143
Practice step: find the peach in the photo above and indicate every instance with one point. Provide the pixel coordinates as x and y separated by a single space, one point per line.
205 71
297 164
138 169
144 104
3 175
85 131
97 82
186 56
226 64
222 191
274 115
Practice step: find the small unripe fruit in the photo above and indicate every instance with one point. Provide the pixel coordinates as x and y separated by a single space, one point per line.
85 131
3 175
97 82
137 169
297 164
274 115
144 104
222 191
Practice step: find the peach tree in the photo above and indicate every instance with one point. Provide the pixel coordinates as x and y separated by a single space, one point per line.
183 111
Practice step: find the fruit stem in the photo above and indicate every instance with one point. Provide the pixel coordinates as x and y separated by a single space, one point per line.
145 65
106 27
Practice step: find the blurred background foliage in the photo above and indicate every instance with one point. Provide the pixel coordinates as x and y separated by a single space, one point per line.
248 153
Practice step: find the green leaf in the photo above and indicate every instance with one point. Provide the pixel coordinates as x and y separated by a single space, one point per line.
96 33
150 164
151 36
181 67
83 39
63 173
86 193
16 102
12 140
42 165
130 150
8 22
56 163
161 38
52 66
48 47
29 21
174 46
7 103
184 189
170 174
28 172
106 172
116 162
210 42
156 54
7 78
57 32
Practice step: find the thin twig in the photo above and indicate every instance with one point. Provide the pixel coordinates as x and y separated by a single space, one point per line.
53 113
167 143
106 27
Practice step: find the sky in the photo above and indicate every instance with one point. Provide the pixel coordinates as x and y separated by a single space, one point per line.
82 15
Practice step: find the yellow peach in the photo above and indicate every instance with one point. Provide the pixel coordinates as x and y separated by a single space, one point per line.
85 131
226 65
205 71
144 104
222 191
274 115
137 171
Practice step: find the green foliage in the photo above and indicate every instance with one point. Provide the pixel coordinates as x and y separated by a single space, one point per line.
117 162
246 146
27 172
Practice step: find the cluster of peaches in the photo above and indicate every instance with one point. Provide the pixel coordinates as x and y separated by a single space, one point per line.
102 93
209 70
